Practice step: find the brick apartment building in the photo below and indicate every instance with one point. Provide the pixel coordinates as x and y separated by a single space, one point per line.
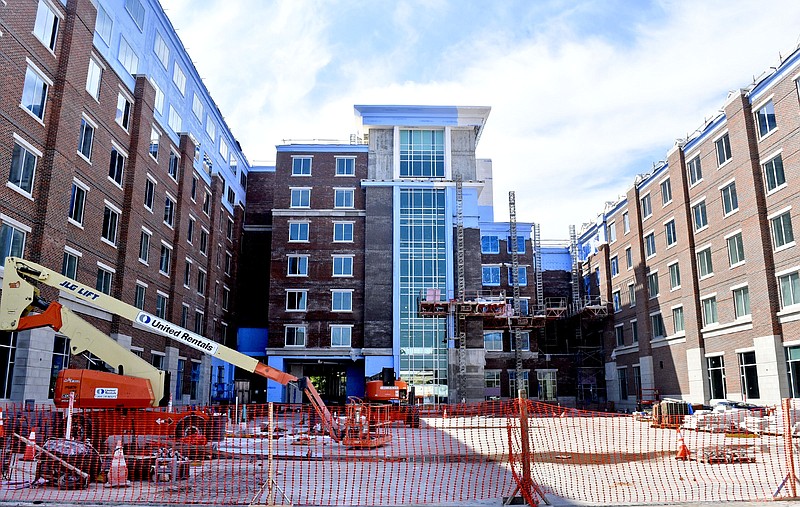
123 175
700 262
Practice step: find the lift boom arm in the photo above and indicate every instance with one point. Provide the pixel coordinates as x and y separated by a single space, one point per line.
21 297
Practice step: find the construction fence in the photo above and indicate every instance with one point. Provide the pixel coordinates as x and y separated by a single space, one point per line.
277 454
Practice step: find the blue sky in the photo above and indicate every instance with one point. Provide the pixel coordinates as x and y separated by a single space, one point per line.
584 94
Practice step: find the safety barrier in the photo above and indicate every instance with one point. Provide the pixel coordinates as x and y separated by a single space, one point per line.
446 454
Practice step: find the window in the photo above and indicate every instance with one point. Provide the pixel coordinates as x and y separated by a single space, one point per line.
626 223
187 276
647 207
716 377
295 336
85 139
612 232
161 305
93 78
172 169
632 294
634 331
199 323
730 202
345 166
169 211
493 340
301 166
116 166
211 129
60 361
175 122
123 116
637 382
723 145
628 258
614 266
136 10
197 107
741 302
201 282
296 300
524 338
671 233
139 295
226 298
705 267
144 246
710 311
657 325
490 244
650 245
69 265
159 104
421 153
749 375
193 193
203 241
491 380
110 223
165 260
342 265
162 50
652 285
547 385
674 276
619 335
343 232
228 263
23 167
792 368
666 192
677 319
490 275
297 265
127 57
773 170
298 231
735 249
512 383
185 315
695 171
179 78
616 300
523 275
782 234
790 289
77 201
157 358
700 216
207 203
520 244
765 118
301 198
46 26
223 148
341 336
229 230
103 280
342 300
103 24
622 382
343 197
190 230
155 140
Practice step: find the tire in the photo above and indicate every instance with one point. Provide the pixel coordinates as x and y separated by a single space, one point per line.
71 480
190 425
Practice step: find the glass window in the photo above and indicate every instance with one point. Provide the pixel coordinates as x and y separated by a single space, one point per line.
657 325
197 107
77 202
296 300
626 223
144 246
172 168
60 360
103 24
187 276
301 166
23 168
619 335
155 139
650 245
671 233
695 171
612 232
700 216
705 266
512 383
345 166
490 275
34 93
297 265
765 118
730 202
295 336
735 249
343 197
652 285
628 258
211 129
169 211
162 51
199 322
491 379
710 311
203 241
525 340
127 57
110 223
165 260
342 300
548 385
123 116
179 78
674 276
647 207
749 375
116 166
341 336
723 145
616 300
792 368
161 306
520 244
136 10
716 377
207 203
421 153
343 232
666 192
93 78
175 121
493 340
632 294
790 289
677 319
782 230
342 266
634 331
741 302
223 149
201 282
773 170
490 244
159 104
523 275
190 230
614 266
69 265
139 296
300 198
622 382
298 231
85 139
103 281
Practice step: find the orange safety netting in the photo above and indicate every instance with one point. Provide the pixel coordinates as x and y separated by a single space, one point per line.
454 453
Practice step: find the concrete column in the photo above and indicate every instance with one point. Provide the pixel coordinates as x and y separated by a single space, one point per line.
122 339
32 363
204 388
612 387
773 382
646 372
697 373
171 365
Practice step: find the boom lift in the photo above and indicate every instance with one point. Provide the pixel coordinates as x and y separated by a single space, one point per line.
137 384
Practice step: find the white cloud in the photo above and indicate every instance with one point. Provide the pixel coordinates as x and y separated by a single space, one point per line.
570 112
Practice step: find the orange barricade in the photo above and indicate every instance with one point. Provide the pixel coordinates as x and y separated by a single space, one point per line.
485 451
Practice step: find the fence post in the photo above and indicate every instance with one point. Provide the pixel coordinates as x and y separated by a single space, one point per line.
791 477
270 463
527 481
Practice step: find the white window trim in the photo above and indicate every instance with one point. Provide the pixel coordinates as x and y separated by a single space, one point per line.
25 144
644 240
285 301
768 158
641 197
739 286
612 225
778 213
732 180
113 207
342 326
106 267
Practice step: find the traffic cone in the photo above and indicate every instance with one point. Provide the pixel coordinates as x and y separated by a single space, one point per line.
118 473
30 451
683 451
